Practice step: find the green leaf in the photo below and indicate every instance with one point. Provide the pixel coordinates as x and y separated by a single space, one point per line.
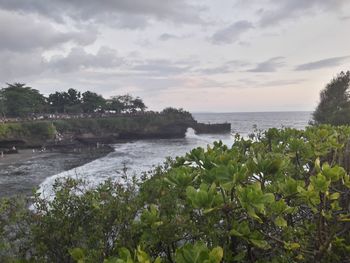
240 256
253 215
334 196
202 198
320 182
280 221
142 256
216 254
234 232
318 165
260 243
77 254
291 246
189 253
268 198
333 174
124 253
114 260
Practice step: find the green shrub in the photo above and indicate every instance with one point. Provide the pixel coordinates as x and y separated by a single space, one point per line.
39 130
279 196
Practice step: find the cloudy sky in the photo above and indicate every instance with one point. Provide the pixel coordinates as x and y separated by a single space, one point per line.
202 55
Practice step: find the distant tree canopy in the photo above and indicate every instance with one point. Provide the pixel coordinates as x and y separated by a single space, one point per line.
18 100
334 105
126 103
91 101
174 111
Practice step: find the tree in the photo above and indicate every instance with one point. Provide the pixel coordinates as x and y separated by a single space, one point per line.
73 97
138 105
2 105
334 105
125 104
92 102
74 101
58 101
177 112
18 100
65 102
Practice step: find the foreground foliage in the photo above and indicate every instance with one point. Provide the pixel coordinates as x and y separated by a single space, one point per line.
279 196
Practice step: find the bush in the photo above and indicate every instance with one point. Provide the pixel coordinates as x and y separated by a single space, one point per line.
279 196
31 131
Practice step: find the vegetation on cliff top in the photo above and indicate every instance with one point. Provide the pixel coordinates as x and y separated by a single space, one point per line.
19 100
35 132
42 132
76 113
278 196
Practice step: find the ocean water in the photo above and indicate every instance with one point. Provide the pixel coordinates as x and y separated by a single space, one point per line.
143 155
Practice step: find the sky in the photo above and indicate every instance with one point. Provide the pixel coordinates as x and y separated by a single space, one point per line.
200 55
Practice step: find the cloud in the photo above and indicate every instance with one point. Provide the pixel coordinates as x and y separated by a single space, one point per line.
166 37
226 67
344 18
23 33
215 70
231 33
324 63
282 82
161 67
263 83
279 11
120 12
78 59
16 66
270 65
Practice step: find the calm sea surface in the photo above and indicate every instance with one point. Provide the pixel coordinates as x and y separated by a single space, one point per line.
143 155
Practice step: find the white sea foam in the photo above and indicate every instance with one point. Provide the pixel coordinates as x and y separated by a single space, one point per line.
137 156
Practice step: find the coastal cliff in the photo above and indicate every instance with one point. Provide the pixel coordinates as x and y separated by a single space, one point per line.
87 131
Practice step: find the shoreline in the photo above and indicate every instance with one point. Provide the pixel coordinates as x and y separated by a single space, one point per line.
22 172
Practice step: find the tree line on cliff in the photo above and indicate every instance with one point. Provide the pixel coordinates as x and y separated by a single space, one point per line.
19 100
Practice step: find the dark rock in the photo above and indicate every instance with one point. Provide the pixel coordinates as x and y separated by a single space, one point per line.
202 128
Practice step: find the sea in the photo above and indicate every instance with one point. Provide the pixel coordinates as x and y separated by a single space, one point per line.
137 157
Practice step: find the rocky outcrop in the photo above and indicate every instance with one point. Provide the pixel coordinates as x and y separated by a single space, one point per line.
91 131
202 128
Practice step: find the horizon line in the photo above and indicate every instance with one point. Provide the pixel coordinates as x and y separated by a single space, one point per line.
194 112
